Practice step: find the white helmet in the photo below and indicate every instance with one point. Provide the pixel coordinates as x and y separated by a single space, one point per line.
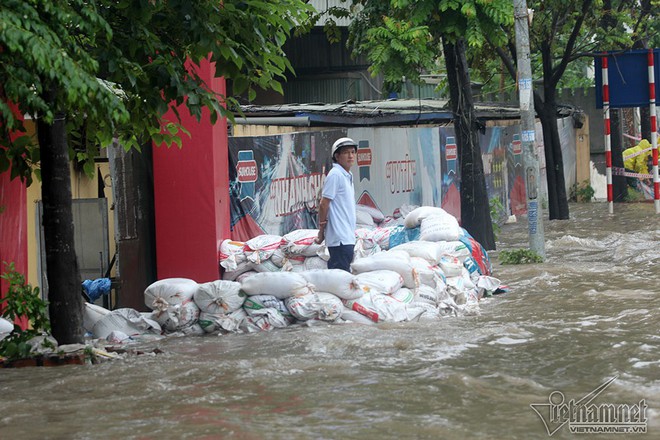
342 142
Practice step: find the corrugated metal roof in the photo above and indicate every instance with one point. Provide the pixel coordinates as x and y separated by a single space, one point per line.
324 5
383 112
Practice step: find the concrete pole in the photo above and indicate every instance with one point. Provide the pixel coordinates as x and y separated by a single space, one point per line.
527 120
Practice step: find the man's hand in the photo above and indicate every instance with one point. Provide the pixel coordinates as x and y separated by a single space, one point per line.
319 239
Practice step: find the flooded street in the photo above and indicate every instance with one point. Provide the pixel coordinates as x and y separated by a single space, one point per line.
587 314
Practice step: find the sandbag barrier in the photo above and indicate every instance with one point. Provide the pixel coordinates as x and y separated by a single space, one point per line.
422 267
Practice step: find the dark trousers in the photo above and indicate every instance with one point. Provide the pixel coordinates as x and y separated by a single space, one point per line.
341 257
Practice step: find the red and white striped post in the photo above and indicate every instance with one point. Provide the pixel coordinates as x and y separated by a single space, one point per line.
608 142
654 133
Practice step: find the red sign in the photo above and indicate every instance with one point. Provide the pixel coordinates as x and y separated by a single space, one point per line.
364 157
451 152
246 171
517 147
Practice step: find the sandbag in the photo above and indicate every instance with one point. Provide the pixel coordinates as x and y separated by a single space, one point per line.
415 217
315 263
125 320
404 295
260 248
426 274
176 317
336 281
320 305
451 266
255 303
381 281
388 261
302 242
91 315
219 296
426 294
169 292
374 213
428 250
230 322
279 284
231 254
379 307
353 316
440 228
263 320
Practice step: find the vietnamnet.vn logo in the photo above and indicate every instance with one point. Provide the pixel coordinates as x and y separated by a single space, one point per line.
584 417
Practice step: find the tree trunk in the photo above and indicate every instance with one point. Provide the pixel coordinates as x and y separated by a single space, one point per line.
546 109
64 284
475 207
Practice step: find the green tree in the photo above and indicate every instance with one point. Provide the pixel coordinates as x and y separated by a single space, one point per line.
99 70
407 38
562 34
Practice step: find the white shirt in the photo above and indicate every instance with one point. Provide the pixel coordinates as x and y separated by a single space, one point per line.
338 187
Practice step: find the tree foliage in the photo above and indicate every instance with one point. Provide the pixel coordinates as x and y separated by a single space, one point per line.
91 71
119 66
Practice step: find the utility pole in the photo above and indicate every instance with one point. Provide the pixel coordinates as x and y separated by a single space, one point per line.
527 118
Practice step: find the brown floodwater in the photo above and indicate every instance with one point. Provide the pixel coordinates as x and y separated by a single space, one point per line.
586 315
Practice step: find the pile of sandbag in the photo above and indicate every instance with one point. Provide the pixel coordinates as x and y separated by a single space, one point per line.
422 267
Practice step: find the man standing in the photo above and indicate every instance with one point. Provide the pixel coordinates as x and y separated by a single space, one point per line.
337 207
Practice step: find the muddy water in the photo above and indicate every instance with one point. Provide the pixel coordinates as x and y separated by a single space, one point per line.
586 315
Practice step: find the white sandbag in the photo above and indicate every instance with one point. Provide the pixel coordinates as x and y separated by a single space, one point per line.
487 285
219 296
404 295
379 307
439 228
6 327
363 219
388 262
353 316
336 281
428 250
320 305
364 249
450 266
245 275
366 237
426 273
194 329
169 292
315 263
255 303
117 337
260 248
230 322
454 248
267 266
231 254
278 258
174 318
431 312
331 308
242 268
381 281
303 307
128 321
302 242
91 315
263 320
414 218
427 295
374 213
279 284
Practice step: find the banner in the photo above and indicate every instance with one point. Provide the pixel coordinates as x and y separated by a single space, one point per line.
276 180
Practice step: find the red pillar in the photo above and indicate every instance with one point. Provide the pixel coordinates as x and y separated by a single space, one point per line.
13 228
191 195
